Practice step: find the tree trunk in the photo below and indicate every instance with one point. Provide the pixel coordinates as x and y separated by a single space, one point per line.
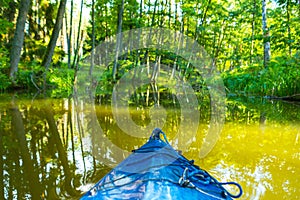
266 34
289 27
182 20
69 35
18 39
156 69
119 39
137 57
93 38
219 42
252 31
58 24
76 53
170 13
140 14
203 22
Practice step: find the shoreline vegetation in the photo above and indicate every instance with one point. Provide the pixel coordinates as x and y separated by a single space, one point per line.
253 45
240 82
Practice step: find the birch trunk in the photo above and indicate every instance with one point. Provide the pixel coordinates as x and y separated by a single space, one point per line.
252 31
266 34
289 27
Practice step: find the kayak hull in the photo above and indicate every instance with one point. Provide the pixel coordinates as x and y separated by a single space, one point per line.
157 171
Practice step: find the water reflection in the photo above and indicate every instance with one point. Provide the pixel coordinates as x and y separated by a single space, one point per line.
51 150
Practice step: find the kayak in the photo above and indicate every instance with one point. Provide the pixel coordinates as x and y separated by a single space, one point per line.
157 171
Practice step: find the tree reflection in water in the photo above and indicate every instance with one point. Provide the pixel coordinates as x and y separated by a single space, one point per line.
52 150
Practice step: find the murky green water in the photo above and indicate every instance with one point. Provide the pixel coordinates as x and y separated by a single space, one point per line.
54 149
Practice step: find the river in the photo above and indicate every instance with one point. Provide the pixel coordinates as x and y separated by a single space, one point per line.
58 148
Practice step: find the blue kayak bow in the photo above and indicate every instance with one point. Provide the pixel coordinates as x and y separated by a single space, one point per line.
157 171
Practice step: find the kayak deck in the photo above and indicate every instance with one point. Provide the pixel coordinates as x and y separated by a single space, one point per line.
157 171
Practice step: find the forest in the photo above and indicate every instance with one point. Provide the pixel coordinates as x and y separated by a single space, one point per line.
254 45
56 144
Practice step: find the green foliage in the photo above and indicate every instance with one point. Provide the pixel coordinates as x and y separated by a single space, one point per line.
4 26
61 80
5 82
35 50
230 32
281 78
29 74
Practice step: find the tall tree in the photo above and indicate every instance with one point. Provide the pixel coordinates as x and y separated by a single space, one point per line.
288 2
58 24
78 41
119 39
18 39
93 38
266 34
253 30
69 34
